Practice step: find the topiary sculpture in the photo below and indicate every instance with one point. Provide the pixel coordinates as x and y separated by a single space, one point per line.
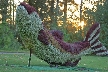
49 45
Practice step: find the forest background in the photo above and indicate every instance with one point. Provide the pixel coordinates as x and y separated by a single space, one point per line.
72 17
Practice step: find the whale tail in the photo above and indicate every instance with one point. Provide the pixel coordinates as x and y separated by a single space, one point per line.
93 37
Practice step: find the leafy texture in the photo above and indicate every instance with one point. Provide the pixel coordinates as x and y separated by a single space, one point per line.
48 45
100 15
7 38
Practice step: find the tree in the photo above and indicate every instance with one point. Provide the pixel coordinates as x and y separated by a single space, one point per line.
7 38
3 9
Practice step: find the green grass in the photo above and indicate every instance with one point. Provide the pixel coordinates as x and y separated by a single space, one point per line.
14 50
94 62
19 59
19 62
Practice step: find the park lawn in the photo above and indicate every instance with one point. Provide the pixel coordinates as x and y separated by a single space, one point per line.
18 63
15 50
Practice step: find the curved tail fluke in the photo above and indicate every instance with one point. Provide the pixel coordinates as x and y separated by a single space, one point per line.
93 37
99 49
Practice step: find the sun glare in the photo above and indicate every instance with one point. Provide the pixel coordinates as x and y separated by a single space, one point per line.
71 17
81 24
78 1
18 1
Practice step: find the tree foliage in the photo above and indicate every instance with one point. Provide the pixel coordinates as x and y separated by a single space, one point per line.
56 18
100 16
52 15
3 9
7 38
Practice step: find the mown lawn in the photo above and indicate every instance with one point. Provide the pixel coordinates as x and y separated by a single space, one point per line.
18 63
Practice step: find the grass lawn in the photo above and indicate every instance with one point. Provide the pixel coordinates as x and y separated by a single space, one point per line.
18 63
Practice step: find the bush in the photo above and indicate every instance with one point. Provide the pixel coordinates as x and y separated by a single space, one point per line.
7 38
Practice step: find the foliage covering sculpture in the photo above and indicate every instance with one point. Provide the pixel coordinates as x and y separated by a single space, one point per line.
49 45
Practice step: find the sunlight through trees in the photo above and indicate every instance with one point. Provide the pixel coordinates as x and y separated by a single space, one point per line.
67 15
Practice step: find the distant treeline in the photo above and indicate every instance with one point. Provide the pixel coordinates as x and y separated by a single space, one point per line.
53 15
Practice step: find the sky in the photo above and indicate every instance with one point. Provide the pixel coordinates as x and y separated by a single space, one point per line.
18 1
77 1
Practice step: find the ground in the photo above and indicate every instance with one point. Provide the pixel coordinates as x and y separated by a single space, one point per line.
18 61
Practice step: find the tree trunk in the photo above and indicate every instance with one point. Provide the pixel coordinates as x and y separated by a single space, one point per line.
52 9
81 11
65 11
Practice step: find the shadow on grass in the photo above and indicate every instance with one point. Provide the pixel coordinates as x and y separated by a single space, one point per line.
47 68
